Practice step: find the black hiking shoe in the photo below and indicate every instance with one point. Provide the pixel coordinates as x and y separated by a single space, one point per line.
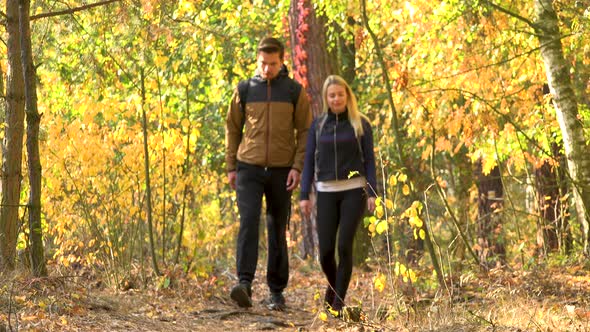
242 295
336 308
277 302
329 296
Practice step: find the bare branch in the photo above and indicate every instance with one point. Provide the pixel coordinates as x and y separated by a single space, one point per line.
73 10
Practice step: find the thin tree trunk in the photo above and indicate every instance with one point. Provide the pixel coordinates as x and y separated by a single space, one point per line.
459 218
490 248
184 173
461 180
12 147
549 208
576 150
164 193
147 177
164 207
312 65
34 162
387 82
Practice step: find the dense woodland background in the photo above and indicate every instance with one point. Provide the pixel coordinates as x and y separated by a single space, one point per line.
113 133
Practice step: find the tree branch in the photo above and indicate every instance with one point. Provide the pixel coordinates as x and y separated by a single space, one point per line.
513 14
73 10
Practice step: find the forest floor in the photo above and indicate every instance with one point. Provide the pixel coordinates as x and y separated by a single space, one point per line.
541 299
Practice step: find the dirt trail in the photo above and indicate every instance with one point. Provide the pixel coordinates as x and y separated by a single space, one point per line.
195 311
62 305
548 300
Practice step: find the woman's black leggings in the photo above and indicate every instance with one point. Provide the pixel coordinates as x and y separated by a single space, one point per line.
339 212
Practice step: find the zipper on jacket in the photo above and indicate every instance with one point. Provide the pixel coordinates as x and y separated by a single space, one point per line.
336 149
267 122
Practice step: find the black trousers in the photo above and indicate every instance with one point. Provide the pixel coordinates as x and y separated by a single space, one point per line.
338 212
252 183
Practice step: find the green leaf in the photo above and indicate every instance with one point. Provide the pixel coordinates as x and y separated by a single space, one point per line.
166 283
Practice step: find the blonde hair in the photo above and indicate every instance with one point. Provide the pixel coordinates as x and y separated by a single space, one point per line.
354 116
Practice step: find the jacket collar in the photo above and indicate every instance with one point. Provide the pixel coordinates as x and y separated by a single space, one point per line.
339 116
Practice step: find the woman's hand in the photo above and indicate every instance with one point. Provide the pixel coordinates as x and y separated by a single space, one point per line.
305 206
371 204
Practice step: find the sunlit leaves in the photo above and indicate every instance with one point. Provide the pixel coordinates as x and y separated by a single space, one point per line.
91 98
392 180
452 81
184 8
379 211
379 282
381 227
415 221
413 216
406 189
388 204
407 274
419 234
463 74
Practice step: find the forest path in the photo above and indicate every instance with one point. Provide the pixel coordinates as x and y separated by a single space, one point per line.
548 299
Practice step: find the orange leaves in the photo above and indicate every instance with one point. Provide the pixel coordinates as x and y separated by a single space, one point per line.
399 78
360 36
443 144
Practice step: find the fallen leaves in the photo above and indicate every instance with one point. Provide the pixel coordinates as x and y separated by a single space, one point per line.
579 313
553 297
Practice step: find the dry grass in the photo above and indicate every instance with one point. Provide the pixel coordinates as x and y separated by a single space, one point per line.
544 300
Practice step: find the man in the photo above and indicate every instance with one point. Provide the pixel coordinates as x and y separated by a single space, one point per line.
265 133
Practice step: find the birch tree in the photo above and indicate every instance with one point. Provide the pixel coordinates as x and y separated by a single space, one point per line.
577 151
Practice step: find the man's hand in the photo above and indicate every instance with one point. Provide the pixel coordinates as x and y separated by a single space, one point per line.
292 179
231 177
305 206
371 204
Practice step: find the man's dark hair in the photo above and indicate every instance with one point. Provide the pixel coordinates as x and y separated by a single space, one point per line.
271 45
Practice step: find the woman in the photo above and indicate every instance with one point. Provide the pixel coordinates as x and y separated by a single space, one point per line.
339 157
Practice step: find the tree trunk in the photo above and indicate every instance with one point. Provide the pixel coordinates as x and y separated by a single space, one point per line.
549 208
461 179
553 232
311 66
490 249
147 178
12 146
564 100
310 56
34 162
185 171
